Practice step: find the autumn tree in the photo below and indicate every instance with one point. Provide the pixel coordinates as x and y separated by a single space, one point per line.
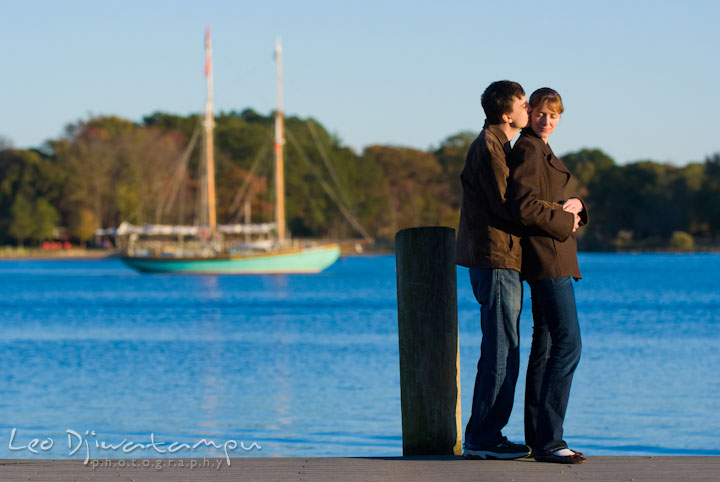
117 171
414 188
451 156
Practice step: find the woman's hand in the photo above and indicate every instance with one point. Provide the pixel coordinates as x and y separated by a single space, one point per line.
573 205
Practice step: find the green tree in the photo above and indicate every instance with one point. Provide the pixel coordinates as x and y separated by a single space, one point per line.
30 187
21 219
587 164
171 122
45 218
645 201
708 201
32 220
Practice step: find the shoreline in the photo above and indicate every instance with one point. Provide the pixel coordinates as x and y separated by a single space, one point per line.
34 254
15 254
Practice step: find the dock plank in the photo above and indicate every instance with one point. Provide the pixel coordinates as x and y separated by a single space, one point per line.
412 469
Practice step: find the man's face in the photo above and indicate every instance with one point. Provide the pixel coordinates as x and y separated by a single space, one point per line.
543 120
519 114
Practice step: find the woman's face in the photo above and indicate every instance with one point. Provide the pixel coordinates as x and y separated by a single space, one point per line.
543 120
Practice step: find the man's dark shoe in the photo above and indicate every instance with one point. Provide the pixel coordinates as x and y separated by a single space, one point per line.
504 450
576 458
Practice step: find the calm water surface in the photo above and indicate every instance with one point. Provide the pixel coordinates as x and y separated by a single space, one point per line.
307 365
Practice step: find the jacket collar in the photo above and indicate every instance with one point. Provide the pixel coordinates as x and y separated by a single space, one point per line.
527 131
495 130
553 160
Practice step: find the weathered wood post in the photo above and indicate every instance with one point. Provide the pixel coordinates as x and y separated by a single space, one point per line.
428 336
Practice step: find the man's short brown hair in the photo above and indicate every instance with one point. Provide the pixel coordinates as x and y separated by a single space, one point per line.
498 99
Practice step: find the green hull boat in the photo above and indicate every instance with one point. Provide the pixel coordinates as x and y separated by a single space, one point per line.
306 260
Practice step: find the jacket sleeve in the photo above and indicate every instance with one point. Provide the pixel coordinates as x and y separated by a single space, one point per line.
584 216
525 162
493 178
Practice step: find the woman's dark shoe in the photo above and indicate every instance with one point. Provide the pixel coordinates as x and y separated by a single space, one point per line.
575 458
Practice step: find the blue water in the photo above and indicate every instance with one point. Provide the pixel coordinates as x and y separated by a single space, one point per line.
307 365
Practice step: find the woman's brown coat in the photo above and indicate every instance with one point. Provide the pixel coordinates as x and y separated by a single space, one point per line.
538 178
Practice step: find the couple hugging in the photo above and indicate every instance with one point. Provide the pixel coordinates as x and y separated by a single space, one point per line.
515 225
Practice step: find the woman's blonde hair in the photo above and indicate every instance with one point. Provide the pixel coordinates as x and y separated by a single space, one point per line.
546 94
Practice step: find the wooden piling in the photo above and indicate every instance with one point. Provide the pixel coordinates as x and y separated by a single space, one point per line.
428 339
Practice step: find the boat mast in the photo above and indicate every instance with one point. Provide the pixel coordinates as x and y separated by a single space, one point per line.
279 143
209 125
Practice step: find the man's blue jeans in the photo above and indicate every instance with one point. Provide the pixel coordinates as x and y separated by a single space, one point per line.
554 355
499 292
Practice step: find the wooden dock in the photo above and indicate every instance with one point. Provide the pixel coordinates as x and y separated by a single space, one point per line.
415 469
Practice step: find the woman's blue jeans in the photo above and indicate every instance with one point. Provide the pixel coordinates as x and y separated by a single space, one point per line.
499 292
554 355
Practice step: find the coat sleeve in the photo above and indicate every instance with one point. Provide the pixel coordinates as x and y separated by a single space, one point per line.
525 162
584 216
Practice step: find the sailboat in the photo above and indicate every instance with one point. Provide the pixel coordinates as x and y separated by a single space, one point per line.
203 249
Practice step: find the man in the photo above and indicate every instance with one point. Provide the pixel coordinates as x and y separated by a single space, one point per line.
489 244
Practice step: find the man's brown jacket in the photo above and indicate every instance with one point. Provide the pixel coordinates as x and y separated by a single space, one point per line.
488 236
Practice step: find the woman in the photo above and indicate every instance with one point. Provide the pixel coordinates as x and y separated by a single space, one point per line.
538 180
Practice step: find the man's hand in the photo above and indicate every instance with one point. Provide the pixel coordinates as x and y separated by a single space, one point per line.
577 222
573 205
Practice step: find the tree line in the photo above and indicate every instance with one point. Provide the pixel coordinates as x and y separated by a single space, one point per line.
107 170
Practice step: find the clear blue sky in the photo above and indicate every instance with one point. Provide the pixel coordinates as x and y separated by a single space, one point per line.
639 78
